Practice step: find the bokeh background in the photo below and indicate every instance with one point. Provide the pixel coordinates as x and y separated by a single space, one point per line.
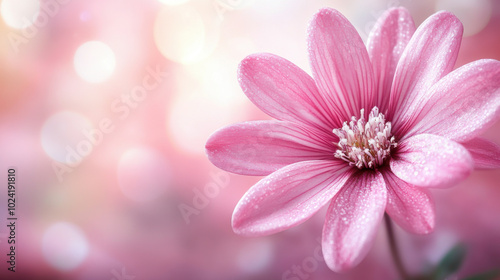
105 108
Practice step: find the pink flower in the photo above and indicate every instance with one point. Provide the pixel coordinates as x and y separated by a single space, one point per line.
374 129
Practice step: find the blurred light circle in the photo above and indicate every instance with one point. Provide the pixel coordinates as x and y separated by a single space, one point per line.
193 118
474 15
63 137
20 14
173 2
206 101
94 61
216 76
255 256
143 174
181 35
64 246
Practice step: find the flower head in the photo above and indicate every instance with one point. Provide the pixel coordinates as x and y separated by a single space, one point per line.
373 129
365 144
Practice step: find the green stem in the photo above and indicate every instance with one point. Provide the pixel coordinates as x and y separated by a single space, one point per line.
394 248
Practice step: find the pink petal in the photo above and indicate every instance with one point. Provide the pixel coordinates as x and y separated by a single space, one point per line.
288 196
283 91
463 104
411 207
431 161
352 220
340 64
386 43
430 55
486 154
262 147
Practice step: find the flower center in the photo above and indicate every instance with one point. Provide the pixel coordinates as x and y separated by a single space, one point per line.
365 144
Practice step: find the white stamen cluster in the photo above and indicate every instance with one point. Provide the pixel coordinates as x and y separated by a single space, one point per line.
365 144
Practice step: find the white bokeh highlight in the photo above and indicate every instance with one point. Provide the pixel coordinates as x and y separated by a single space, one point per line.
94 61
193 117
205 101
143 174
185 34
64 246
63 139
19 14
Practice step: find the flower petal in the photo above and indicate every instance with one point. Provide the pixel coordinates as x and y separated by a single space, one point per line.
386 43
288 196
486 154
430 55
411 207
262 147
352 220
463 104
284 91
431 161
340 64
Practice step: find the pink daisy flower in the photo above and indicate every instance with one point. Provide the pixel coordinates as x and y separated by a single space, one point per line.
373 129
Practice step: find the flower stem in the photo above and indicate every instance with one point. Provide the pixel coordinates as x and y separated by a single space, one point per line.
394 248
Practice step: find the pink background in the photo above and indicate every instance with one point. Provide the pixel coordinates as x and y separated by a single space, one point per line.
112 209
